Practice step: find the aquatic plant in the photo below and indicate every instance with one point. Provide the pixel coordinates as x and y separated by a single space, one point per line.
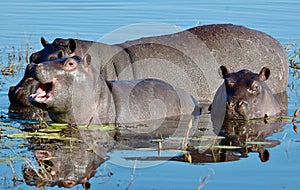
293 55
12 58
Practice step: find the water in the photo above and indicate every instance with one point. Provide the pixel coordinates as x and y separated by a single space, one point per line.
22 24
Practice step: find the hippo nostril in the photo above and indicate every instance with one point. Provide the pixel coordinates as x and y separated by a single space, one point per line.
34 57
60 55
242 108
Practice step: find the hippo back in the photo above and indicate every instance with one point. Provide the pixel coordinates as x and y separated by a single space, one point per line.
238 47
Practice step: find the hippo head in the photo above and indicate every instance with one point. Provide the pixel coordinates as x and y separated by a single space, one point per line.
59 81
60 48
247 95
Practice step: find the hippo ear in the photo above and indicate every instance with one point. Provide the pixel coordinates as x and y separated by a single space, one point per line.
71 46
44 42
87 59
264 74
223 72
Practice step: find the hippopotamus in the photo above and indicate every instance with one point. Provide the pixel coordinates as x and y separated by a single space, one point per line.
188 59
72 91
245 95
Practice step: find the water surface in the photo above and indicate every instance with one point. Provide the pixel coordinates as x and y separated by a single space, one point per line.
22 24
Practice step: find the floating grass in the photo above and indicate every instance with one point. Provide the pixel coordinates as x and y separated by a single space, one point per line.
203 138
178 151
40 135
226 147
271 118
58 125
50 130
18 135
258 143
156 140
216 147
97 127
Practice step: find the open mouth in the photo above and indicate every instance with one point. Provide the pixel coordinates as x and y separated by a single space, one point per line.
42 93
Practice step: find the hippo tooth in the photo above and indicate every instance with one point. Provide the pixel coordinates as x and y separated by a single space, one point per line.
41 94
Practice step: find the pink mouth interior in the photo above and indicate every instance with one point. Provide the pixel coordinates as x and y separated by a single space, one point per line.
43 92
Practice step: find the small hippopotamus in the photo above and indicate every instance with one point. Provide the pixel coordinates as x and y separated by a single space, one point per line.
72 91
245 95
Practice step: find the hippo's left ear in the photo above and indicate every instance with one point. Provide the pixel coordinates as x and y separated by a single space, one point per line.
223 72
44 42
71 46
264 74
87 59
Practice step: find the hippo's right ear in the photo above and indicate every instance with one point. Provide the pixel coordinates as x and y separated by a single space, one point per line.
223 72
71 46
44 42
264 73
87 59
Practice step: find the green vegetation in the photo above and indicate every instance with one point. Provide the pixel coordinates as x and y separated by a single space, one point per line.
49 133
293 55
12 59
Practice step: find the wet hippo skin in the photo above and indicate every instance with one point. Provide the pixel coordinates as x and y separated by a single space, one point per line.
72 91
189 59
245 95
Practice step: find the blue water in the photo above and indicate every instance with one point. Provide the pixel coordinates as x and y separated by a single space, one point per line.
25 21
29 20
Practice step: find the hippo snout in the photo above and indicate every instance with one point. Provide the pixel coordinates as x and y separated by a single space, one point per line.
242 108
41 73
237 109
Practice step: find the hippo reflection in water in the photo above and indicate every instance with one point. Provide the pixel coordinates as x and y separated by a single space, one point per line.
72 92
245 95
60 165
183 59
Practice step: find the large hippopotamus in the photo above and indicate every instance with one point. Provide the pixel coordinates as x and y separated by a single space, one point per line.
72 91
187 59
245 95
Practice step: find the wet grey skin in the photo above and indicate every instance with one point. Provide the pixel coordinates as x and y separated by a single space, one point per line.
72 91
188 59
246 94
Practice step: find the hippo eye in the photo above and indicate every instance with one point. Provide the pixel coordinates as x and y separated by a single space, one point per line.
254 87
52 58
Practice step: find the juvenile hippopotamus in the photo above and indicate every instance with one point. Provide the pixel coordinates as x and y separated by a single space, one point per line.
187 59
72 91
246 95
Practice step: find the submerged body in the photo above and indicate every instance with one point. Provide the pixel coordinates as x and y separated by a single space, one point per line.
69 98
